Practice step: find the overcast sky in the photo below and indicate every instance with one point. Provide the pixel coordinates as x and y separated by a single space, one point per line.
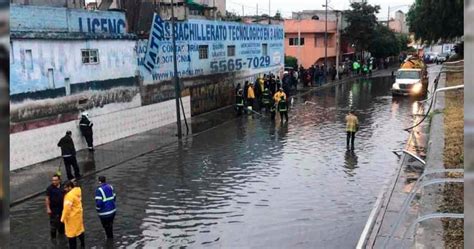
287 6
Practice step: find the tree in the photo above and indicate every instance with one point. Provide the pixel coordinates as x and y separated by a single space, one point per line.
434 20
384 42
278 15
403 41
291 61
362 21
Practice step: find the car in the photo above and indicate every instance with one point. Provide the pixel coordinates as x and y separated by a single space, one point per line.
409 82
429 57
440 58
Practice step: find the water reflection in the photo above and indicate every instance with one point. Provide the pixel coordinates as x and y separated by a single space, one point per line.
350 163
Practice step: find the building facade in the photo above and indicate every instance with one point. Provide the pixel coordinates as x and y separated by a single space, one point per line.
399 23
312 48
65 61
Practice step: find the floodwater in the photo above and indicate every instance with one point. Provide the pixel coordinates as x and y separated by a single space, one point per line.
251 183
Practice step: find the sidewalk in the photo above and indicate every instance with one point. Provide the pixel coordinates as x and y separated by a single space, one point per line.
403 183
32 180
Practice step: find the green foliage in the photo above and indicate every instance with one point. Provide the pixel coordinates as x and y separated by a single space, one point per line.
362 21
385 42
291 61
278 15
434 20
403 40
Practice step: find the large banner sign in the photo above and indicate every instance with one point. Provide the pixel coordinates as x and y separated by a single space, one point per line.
207 47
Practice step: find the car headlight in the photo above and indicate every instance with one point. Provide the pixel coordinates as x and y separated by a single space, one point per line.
396 86
417 88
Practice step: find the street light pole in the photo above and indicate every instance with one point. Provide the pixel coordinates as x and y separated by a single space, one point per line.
176 79
326 46
299 43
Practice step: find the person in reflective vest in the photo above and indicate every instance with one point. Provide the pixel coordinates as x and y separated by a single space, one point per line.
365 69
105 205
266 99
86 130
355 67
283 108
239 102
352 126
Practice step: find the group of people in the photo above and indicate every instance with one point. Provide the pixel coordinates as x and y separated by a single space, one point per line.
365 67
268 92
64 201
64 207
68 150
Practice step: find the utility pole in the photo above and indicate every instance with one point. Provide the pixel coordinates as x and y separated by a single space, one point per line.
269 13
257 9
243 14
299 39
337 44
215 9
388 17
177 90
326 46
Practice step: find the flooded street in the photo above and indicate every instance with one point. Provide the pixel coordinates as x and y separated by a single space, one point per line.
251 183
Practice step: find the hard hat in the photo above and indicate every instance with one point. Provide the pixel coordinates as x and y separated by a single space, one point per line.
85 114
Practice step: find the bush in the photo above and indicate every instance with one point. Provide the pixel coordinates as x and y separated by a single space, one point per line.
291 61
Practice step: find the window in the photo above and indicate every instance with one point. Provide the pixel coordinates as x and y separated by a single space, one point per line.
294 42
203 51
90 56
231 50
29 59
51 78
264 49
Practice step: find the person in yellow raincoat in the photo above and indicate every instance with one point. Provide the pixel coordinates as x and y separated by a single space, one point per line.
250 96
278 95
352 126
72 215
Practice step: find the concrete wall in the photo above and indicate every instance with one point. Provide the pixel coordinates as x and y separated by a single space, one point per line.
38 145
64 58
122 96
47 59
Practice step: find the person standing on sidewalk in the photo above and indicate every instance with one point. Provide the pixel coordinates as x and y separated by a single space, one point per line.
72 216
86 130
352 126
68 152
54 206
105 204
